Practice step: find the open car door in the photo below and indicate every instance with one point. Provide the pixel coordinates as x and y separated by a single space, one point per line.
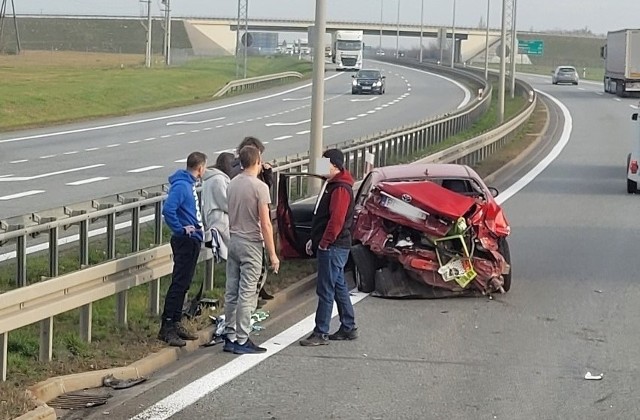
294 219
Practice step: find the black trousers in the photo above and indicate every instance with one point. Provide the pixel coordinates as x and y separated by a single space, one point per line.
185 257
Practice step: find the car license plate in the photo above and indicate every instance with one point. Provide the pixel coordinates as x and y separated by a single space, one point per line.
403 209
366 87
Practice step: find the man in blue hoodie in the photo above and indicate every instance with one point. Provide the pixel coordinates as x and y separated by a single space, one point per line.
181 213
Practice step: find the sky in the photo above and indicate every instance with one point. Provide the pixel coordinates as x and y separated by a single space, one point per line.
537 15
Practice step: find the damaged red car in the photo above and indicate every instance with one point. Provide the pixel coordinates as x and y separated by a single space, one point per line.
420 230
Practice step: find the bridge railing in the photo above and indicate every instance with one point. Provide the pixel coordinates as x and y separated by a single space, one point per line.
40 302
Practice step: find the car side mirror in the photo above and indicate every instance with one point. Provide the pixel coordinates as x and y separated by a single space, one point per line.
494 192
634 117
384 77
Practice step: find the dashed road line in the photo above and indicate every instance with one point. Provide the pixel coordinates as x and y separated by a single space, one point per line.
371 112
180 134
113 145
88 181
47 156
20 195
65 171
194 131
73 152
92 149
196 122
338 123
165 136
279 124
303 132
180 161
282 138
133 141
149 139
145 169
352 118
207 129
219 126
362 115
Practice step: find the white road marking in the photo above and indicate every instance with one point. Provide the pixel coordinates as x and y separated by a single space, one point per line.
224 151
65 171
165 136
145 169
195 122
409 85
617 99
47 156
92 149
133 141
297 99
378 108
250 119
5 176
113 145
409 90
303 132
180 134
599 93
371 112
230 124
544 163
364 100
194 131
19 195
362 115
582 89
279 124
352 118
149 139
88 181
207 129
73 152
634 106
219 126
165 117
282 138
180 160
197 389
338 123
326 126
385 105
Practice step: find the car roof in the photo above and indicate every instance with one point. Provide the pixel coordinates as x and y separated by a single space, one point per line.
435 170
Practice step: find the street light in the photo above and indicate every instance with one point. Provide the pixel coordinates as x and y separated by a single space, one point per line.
453 35
398 32
503 64
380 42
486 47
514 51
317 90
421 27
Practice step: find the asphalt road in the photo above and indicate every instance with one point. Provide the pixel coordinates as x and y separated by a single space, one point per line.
524 355
42 169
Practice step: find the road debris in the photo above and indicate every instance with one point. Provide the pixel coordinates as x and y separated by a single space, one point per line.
115 383
591 377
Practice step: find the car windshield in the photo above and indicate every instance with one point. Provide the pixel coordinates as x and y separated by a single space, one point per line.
369 74
349 45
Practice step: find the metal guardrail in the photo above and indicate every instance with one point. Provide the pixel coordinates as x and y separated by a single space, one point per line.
40 302
240 85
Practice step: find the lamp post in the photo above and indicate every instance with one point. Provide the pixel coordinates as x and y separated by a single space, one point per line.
421 27
380 42
514 51
398 32
453 35
317 90
486 47
503 64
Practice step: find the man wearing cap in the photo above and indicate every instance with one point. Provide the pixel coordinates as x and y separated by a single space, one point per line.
331 241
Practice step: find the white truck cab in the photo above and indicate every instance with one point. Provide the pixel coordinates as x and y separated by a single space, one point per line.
633 159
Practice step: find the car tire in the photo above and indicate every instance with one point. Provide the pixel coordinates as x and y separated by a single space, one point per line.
364 268
353 92
503 249
620 90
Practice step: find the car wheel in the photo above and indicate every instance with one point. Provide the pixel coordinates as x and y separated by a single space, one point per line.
503 249
364 268
353 92
619 89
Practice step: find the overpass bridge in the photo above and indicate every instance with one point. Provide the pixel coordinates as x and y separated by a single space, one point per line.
218 35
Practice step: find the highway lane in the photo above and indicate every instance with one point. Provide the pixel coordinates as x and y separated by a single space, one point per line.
57 166
523 355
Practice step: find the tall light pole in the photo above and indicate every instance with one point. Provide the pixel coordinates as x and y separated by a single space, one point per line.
167 32
421 27
147 56
398 32
453 35
486 47
380 42
503 64
514 50
317 89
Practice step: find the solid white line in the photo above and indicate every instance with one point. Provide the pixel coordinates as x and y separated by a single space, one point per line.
165 117
338 122
195 122
297 99
66 171
47 156
70 153
19 195
286 124
193 392
145 169
88 181
20 161
282 138
113 145
544 163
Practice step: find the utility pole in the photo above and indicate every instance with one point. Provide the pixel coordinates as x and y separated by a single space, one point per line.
514 50
398 32
147 56
167 31
317 90
421 28
380 42
3 14
453 36
243 21
503 64
486 47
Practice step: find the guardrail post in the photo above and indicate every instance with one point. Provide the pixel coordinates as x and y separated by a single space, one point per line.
4 340
122 305
111 236
86 312
53 252
46 339
21 261
154 285
135 229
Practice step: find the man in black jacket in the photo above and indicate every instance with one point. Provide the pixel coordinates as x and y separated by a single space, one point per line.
331 239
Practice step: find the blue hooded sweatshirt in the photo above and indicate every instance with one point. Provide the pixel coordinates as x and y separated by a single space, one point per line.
181 208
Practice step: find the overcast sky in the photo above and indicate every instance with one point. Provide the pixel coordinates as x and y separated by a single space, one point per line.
597 15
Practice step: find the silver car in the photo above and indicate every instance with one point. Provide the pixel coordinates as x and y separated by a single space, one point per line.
564 74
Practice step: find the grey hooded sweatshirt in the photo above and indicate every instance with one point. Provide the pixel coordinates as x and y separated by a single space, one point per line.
215 204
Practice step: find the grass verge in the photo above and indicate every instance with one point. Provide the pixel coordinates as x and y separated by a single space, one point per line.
42 88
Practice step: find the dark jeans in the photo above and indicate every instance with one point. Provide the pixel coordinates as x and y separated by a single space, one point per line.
185 257
332 286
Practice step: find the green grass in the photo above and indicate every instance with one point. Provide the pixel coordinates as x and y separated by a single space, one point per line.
34 93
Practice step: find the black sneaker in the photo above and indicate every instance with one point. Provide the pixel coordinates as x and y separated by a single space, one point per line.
184 333
248 348
264 295
315 339
343 334
229 346
169 335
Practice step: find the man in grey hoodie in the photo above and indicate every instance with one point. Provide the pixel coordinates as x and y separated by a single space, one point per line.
215 203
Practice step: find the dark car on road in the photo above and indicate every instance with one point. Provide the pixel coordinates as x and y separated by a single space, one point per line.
368 81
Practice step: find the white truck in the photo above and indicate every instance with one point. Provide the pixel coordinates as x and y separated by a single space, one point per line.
347 50
622 62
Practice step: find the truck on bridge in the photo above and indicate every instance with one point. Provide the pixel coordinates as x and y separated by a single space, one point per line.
622 62
347 50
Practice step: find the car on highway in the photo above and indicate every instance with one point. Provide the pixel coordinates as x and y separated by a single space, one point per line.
380 53
419 230
565 74
368 81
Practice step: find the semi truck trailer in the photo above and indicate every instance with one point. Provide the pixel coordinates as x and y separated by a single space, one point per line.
622 62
